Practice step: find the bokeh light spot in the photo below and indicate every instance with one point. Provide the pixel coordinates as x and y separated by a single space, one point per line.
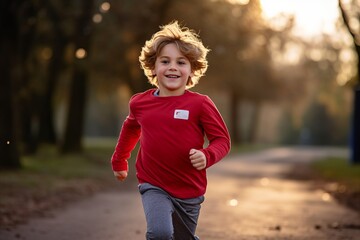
105 6
80 53
233 203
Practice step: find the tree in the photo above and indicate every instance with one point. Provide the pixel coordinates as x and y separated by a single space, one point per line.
58 41
27 14
9 22
350 15
72 141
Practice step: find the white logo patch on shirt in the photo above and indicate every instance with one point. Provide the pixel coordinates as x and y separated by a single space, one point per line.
181 114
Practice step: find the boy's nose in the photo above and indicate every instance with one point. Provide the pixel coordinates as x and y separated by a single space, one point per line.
172 68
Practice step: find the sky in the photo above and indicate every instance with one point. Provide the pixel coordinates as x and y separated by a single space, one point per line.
312 17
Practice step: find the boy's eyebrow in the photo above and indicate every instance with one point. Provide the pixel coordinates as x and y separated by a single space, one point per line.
176 58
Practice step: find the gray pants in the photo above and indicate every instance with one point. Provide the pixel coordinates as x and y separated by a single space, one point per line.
169 218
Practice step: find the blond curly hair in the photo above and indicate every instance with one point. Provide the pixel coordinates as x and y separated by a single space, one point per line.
189 45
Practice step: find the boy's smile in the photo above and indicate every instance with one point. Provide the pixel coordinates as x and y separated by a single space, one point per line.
172 70
171 76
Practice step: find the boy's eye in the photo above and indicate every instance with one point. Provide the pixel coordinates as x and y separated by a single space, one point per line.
165 61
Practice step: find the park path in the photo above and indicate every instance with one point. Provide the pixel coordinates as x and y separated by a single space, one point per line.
247 199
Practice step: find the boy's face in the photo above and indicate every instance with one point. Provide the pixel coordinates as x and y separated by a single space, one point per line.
172 70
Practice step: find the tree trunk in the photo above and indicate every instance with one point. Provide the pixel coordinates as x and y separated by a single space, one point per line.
76 113
27 107
47 133
356 118
9 152
355 134
235 123
254 123
72 141
47 124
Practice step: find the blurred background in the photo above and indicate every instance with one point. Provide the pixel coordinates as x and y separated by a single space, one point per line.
280 72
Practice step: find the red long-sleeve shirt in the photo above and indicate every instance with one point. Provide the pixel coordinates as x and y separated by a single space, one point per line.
168 127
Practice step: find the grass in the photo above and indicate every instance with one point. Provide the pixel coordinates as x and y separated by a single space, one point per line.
48 165
338 170
89 164
49 179
48 172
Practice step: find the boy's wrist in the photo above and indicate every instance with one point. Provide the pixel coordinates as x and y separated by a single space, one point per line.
120 166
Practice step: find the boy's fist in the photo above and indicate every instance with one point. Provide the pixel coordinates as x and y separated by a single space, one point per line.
198 159
120 175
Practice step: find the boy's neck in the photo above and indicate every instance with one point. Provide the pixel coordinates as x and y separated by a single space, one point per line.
162 93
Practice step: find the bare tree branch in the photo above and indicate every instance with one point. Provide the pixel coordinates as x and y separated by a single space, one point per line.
346 19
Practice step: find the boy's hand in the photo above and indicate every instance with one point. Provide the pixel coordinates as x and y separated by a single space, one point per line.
121 175
198 159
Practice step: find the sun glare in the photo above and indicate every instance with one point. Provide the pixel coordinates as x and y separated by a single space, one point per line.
312 17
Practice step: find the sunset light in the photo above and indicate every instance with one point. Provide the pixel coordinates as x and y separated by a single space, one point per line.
155 119
242 2
312 17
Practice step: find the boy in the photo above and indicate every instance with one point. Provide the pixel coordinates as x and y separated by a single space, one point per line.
171 122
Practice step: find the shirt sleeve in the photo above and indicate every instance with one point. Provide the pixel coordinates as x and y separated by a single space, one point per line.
216 132
128 138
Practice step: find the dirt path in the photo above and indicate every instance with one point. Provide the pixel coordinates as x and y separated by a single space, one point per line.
247 198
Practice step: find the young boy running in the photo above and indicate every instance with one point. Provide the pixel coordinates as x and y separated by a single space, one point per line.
171 122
